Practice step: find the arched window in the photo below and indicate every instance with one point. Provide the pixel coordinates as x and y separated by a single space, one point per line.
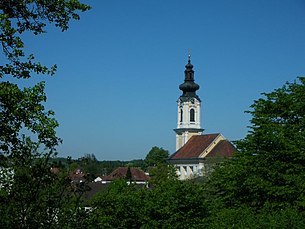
181 115
192 115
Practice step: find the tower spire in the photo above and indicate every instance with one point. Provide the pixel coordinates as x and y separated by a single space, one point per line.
189 56
189 87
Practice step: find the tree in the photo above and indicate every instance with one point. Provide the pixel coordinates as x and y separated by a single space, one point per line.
156 156
22 110
19 16
162 173
128 175
90 166
158 168
268 171
170 204
31 196
35 197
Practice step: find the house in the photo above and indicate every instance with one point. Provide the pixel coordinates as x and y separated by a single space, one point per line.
134 175
94 188
98 179
77 176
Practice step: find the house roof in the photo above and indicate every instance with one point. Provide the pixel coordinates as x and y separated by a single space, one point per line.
198 144
195 146
224 148
94 188
77 175
121 172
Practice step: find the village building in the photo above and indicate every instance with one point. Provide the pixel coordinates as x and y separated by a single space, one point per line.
195 150
130 174
77 176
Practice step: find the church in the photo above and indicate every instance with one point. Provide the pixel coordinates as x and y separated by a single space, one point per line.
195 149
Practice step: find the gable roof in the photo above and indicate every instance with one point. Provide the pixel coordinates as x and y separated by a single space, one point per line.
194 146
224 148
121 172
206 145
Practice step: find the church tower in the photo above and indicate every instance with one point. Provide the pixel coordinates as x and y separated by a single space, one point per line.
188 108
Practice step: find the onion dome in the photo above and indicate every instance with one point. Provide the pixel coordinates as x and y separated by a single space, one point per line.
189 87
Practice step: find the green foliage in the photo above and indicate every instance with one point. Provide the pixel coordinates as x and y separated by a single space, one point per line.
245 217
157 166
128 175
175 204
22 110
162 173
89 165
30 195
156 156
269 170
34 197
137 163
106 167
117 207
170 204
19 16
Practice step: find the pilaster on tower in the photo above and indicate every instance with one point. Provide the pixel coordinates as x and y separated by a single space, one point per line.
188 114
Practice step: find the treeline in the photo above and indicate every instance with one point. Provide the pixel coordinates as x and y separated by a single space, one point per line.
93 167
90 165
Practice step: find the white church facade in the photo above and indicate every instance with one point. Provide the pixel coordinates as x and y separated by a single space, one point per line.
193 147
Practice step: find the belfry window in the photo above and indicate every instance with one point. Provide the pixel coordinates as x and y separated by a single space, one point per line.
181 115
192 115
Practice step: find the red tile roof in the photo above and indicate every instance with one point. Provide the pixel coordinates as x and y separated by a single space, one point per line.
194 147
224 148
77 175
121 172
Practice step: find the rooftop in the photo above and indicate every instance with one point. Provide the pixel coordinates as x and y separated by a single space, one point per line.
197 144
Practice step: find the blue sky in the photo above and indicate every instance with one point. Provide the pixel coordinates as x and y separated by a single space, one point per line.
120 66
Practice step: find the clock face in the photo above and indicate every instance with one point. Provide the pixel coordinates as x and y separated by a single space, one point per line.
192 101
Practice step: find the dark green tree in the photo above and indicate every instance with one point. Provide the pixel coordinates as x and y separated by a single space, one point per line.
162 173
156 156
20 16
22 110
268 172
33 196
128 175
90 165
170 204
